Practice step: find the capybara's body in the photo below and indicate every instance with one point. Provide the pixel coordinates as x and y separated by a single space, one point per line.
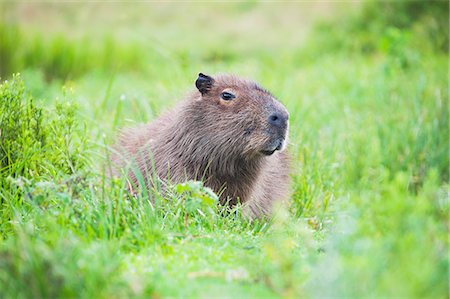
229 133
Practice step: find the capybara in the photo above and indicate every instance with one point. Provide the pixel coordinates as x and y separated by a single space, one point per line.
230 133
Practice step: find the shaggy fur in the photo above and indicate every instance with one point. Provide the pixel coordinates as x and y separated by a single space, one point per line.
235 146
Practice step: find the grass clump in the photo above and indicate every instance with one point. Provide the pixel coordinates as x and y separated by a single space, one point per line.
37 142
39 149
379 247
59 57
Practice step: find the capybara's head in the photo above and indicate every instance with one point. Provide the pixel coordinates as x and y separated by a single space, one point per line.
238 117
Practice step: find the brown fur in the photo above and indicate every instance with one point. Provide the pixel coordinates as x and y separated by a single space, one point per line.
220 142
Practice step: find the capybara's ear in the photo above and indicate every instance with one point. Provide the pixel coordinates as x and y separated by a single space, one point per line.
204 83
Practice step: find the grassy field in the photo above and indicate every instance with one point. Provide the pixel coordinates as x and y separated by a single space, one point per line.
366 86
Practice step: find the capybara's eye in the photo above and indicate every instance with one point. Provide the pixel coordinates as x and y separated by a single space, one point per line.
227 96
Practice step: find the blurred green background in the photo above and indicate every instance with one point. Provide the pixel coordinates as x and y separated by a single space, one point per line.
366 85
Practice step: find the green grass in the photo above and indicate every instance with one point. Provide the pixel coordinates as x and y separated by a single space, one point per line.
368 99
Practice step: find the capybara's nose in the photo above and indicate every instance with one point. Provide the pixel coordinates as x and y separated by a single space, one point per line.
278 120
